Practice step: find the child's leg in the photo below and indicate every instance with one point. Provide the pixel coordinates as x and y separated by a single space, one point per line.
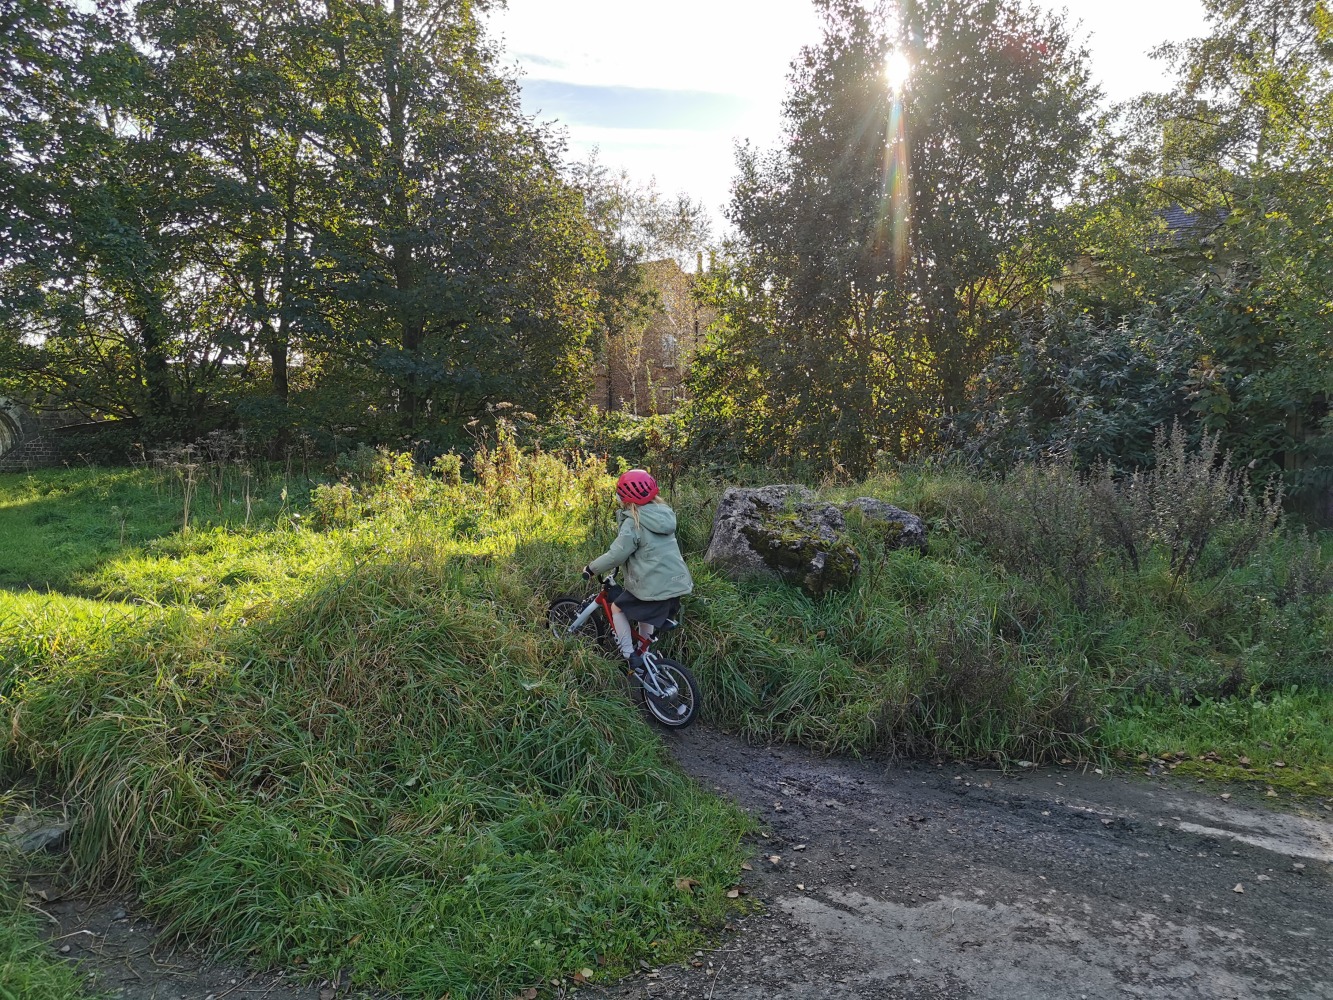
623 638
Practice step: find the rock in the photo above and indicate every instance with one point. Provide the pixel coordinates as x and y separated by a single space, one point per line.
898 528
783 532
36 836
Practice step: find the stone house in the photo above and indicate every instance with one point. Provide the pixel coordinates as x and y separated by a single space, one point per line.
645 367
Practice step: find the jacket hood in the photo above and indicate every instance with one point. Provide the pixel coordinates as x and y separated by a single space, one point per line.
657 518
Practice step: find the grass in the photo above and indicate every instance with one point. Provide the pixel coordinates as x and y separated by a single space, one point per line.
336 735
1280 740
60 524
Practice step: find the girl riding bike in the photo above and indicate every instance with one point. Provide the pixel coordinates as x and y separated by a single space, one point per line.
655 574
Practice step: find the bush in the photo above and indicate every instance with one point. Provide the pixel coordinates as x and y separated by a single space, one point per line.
1087 387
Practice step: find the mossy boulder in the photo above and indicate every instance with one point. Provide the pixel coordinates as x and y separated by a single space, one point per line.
786 533
893 526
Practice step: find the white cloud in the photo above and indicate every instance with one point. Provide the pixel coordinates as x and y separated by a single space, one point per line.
740 47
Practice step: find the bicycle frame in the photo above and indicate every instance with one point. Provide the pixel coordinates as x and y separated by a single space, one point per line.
642 643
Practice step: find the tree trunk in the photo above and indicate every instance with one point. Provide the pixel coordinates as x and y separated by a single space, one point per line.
157 374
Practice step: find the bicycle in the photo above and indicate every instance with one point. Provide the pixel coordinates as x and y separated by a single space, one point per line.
666 688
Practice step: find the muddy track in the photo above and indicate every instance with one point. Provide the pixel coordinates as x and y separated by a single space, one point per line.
917 881
901 880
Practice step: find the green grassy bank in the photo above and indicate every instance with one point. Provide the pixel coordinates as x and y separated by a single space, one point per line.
336 735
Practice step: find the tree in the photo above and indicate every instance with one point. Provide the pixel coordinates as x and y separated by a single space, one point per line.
1244 142
101 282
882 247
331 206
244 79
460 271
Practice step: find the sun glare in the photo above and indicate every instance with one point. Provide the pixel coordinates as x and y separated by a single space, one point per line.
897 70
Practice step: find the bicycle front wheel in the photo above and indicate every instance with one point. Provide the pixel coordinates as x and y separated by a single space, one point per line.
560 614
679 704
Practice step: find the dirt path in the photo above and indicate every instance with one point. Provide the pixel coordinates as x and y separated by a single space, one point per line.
914 881
123 958
917 881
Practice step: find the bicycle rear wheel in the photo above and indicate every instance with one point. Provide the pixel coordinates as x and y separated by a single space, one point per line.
678 708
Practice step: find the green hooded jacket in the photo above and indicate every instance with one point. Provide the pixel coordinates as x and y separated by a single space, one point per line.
654 568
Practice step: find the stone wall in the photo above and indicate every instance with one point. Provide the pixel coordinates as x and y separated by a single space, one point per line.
37 451
27 441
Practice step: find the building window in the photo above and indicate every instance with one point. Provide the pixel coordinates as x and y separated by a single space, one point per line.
670 351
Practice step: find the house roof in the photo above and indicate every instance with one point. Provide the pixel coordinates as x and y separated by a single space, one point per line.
1186 226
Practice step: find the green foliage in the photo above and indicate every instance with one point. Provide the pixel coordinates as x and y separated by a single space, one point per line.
1234 299
1089 386
321 219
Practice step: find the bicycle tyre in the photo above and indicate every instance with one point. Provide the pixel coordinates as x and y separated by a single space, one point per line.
563 610
668 712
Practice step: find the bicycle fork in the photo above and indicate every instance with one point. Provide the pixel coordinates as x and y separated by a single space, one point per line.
652 681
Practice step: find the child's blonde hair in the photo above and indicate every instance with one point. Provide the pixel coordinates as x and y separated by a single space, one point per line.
634 511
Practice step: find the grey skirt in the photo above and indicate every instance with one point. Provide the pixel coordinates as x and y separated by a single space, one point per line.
654 613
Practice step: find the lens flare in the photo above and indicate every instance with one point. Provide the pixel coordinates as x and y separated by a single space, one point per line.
897 70
893 219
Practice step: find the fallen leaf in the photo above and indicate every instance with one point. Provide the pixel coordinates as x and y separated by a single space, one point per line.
686 884
1271 793
775 859
354 940
586 973
1239 888
1243 761
578 978
1226 795
746 866
1279 763
530 993
733 894
801 886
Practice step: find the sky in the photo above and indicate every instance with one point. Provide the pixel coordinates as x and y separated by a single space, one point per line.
666 90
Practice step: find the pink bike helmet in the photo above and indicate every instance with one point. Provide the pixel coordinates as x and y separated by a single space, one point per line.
636 487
